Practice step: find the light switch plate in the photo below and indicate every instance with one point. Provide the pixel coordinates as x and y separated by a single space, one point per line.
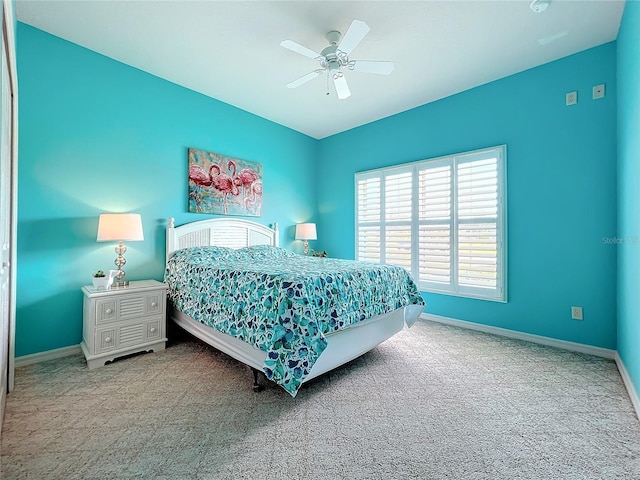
598 91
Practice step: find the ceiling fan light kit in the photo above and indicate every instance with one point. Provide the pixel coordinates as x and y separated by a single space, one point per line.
335 57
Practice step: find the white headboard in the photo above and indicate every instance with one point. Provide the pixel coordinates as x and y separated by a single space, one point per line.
223 232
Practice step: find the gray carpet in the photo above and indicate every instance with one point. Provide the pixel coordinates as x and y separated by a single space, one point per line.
434 402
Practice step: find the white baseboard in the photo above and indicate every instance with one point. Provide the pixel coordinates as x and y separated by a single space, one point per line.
633 395
48 355
528 337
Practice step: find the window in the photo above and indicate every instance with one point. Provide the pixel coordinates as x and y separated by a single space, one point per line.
443 219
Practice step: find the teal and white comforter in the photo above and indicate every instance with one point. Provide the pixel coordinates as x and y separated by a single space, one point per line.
281 302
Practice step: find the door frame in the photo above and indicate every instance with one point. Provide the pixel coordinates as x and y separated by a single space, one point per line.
8 31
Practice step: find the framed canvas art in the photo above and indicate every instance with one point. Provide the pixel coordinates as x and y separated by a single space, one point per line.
224 185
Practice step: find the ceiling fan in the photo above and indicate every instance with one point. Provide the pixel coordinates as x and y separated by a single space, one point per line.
336 56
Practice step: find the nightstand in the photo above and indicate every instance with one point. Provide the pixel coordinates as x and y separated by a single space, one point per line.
123 320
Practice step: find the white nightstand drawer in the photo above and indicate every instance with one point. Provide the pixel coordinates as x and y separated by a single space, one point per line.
130 306
155 303
128 334
106 311
105 340
154 329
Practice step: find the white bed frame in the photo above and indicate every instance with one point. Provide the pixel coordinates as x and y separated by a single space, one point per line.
342 346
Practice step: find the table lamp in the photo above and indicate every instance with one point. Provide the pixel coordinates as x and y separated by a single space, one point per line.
306 232
120 227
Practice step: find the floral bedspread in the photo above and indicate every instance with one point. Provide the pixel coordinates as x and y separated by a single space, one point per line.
281 302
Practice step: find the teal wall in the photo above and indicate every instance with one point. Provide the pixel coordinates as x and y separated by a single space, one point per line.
99 136
629 191
561 183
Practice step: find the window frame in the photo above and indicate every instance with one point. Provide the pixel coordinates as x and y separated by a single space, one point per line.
499 152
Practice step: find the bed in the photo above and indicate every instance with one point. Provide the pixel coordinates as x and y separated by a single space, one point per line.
289 316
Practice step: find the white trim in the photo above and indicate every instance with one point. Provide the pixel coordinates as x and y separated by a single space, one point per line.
10 23
48 355
633 395
528 337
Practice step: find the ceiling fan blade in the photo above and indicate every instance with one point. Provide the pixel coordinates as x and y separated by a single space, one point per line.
305 78
368 66
354 36
296 47
342 89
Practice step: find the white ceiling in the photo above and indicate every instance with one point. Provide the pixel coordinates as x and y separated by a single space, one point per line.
230 50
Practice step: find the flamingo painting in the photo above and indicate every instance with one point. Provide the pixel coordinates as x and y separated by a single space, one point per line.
245 179
224 185
200 178
253 202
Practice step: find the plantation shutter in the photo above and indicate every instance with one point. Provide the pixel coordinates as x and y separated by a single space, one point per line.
442 219
398 212
477 223
368 216
435 220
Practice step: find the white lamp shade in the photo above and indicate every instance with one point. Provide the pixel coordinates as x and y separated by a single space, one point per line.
121 227
306 231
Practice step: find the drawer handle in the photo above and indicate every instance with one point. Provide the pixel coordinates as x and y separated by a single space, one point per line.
107 340
108 311
154 304
152 329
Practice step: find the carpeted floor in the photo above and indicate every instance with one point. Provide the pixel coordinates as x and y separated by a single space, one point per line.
434 402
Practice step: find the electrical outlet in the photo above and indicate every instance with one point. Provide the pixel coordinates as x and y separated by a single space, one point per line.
572 98
576 313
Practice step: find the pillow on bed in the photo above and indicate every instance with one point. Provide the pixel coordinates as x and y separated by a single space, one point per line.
263 252
208 254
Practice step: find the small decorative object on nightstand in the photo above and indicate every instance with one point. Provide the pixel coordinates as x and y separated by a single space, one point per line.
100 280
123 320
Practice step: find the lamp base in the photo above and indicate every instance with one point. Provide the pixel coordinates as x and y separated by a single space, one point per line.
120 262
124 283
